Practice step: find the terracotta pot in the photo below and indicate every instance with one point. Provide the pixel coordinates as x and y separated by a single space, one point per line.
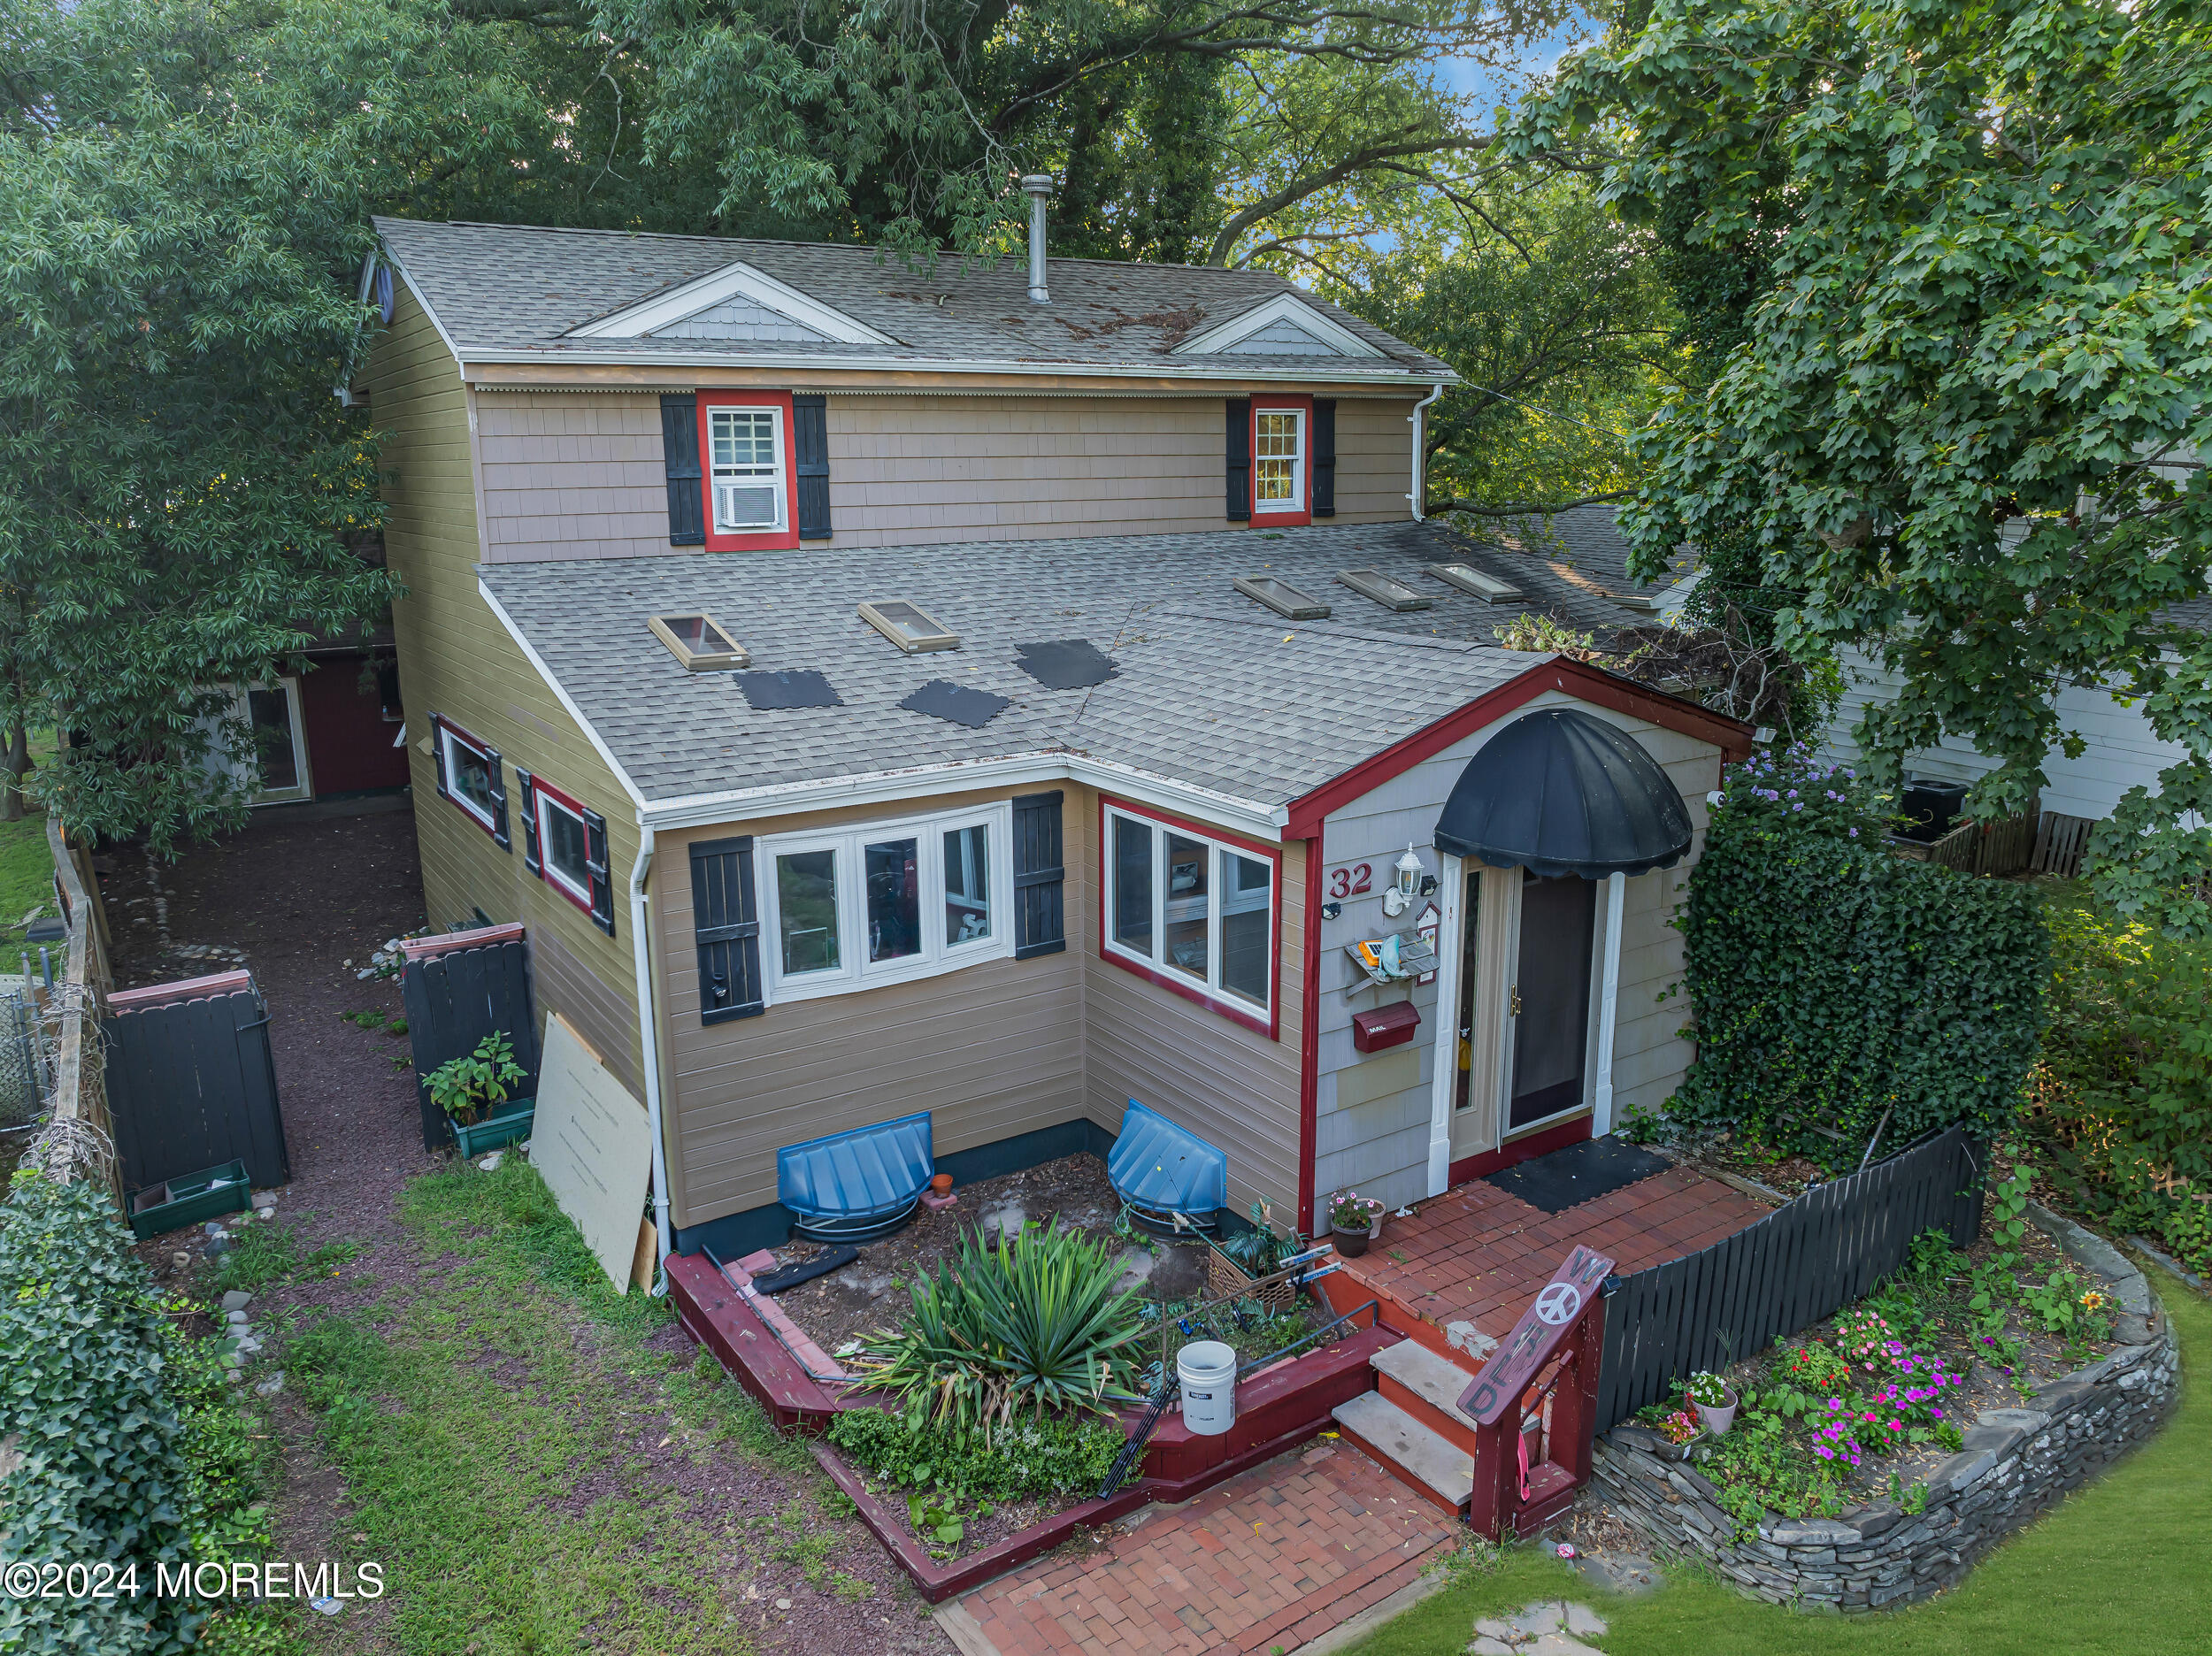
1717 1418
1350 1244
942 1184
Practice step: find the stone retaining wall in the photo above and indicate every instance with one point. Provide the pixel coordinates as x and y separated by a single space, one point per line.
2015 1463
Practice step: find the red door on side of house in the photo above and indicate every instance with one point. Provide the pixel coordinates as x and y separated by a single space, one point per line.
349 738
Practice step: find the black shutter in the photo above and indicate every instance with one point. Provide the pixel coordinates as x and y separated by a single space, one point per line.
595 872
725 924
1039 923
525 787
1240 478
1325 456
437 754
680 455
810 454
499 798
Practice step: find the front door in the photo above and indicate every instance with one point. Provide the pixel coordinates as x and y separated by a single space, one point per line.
1549 1005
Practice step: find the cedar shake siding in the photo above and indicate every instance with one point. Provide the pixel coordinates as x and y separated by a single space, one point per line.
579 474
992 1050
457 661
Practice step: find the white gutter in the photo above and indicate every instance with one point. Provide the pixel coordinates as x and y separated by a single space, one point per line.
1420 424
648 1050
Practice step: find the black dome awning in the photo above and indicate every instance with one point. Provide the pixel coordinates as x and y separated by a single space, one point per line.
1560 792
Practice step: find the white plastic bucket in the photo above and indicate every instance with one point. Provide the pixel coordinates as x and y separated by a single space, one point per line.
1208 1369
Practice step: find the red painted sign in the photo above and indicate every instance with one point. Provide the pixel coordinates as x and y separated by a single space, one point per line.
1542 1327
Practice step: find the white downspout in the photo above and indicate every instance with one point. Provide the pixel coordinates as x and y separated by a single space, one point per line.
1419 422
1608 1001
649 1049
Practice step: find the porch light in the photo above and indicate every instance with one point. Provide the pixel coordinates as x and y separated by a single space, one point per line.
1406 886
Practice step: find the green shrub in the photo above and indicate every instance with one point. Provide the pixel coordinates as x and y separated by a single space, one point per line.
1833 980
2122 1095
462 1086
1054 1455
1040 1326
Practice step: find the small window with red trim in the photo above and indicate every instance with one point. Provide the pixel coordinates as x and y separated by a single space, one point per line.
1278 460
469 772
564 843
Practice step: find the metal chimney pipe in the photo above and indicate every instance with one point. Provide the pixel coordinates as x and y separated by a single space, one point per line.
1038 187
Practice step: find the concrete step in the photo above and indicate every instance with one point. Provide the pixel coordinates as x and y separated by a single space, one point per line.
1413 1453
1428 1387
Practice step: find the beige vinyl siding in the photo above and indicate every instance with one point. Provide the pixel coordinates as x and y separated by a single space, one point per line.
579 474
1230 1084
991 1049
456 659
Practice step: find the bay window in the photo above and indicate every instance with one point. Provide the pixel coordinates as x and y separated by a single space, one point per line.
886 902
1194 913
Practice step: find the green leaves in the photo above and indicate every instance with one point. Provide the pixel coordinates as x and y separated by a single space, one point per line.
461 1087
1962 412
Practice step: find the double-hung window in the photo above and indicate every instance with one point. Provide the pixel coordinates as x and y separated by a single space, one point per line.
886 902
472 780
1278 460
746 458
1194 913
564 843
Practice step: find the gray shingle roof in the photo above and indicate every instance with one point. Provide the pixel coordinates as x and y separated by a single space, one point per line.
1584 546
512 288
1214 691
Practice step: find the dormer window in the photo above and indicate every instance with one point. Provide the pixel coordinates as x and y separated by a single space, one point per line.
1278 460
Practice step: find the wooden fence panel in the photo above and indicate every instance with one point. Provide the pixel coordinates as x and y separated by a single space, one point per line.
191 1084
456 999
1801 1263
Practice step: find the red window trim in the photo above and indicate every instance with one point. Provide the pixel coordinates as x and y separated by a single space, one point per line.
541 790
1269 1024
444 728
1278 404
780 401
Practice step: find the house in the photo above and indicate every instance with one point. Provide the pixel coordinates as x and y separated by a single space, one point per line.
1008 695
332 730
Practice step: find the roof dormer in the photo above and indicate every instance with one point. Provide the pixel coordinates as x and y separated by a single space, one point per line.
735 302
1285 326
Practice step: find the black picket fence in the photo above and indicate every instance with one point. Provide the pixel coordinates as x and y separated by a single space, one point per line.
191 1082
456 999
1801 1262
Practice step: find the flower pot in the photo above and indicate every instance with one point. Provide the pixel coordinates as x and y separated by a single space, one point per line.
1350 1244
506 1124
1717 1418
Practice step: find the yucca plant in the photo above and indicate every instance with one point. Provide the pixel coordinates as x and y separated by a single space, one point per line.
1037 1326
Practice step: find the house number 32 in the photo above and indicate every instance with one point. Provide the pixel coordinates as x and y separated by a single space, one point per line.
1354 879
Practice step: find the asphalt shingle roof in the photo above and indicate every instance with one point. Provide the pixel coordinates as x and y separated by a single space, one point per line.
1213 690
509 288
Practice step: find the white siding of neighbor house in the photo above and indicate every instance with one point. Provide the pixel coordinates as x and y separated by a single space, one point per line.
1372 1109
2121 752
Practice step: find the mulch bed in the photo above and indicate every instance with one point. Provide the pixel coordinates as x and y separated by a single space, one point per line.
871 1293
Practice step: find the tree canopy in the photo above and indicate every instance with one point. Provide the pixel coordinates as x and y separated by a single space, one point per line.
1963 416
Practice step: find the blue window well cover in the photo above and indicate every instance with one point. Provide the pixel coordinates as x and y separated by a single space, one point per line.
866 1173
1168 1168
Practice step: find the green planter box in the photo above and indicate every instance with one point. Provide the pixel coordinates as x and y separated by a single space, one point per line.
179 1202
506 1124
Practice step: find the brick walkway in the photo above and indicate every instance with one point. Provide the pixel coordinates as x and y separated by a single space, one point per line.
1273 1558
1477 1254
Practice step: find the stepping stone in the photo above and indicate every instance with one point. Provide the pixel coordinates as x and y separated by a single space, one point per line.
1492 1627
1487 1646
236 1299
270 1387
1629 1574
1584 1623
1538 1619
1559 1645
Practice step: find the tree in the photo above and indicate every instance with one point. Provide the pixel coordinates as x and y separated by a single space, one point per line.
1964 416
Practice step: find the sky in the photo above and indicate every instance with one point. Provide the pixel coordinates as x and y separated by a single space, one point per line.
1494 88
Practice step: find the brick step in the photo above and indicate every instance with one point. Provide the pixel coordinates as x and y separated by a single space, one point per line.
1410 1452
1427 1387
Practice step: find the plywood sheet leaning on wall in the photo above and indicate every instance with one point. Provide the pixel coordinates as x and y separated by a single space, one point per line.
591 1146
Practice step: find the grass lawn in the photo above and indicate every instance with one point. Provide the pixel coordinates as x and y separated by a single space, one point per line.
495 1422
26 880
2124 1565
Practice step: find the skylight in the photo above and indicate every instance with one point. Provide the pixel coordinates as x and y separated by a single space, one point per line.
1283 598
1387 590
1488 587
699 643
909 626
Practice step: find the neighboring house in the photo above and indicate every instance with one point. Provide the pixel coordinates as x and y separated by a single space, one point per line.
842 671
332 732
2121 751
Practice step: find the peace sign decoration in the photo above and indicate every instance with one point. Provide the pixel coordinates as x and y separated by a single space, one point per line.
1542 1330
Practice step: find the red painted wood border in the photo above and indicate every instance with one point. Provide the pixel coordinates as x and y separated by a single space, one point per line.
1309 1040
769 541
1526 1149
1173 983
1281 402
1576 678
445 942
575 808
183 989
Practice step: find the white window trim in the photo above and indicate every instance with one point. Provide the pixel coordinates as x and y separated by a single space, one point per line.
855 971
546 804
1297 501
449 739
1210 986
782 485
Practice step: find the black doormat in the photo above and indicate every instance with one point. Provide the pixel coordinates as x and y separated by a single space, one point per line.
1581 1173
